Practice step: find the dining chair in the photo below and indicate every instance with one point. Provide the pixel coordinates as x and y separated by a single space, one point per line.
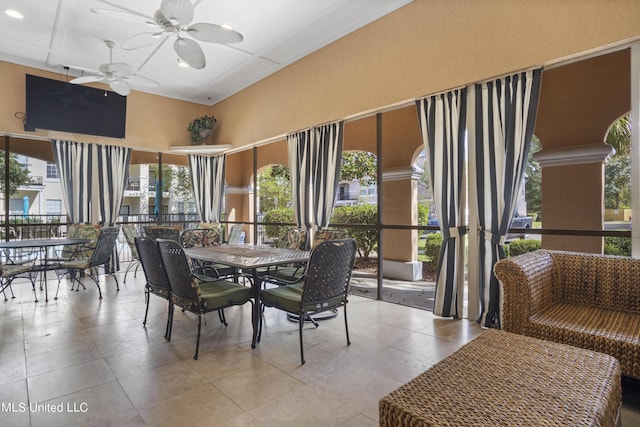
163 232
293 238
130 233
157 282
200 238
83 250
292 273
324 287
100 256
195 295
14 266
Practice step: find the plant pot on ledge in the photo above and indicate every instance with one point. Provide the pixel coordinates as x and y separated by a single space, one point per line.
200 129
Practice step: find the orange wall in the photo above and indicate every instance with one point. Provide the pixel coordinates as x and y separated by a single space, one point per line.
425 47
153 122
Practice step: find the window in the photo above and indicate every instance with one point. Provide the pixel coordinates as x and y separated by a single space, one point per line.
54 206
343 192
23 161
52 171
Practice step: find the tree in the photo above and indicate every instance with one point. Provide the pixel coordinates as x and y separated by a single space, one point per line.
274 190
617 188
533 179
360 166
18 174
183 185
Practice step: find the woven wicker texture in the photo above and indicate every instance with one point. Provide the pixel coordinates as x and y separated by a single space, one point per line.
504 379
586 300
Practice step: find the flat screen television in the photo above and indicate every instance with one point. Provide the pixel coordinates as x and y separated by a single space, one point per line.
62 106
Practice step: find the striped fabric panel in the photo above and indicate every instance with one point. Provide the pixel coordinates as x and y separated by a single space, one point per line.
442 122
113 174
325 171
74 161
299 151
505 112
207 178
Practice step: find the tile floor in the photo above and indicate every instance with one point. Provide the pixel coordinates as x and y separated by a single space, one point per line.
80 361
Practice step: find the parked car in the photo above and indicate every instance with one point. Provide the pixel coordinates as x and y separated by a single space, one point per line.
517 222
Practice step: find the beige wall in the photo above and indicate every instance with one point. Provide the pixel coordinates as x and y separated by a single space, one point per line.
153 122
425 47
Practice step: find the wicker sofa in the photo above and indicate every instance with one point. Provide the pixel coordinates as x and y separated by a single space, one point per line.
585 300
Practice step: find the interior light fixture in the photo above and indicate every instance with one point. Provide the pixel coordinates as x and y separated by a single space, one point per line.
13 13
227 27
182 64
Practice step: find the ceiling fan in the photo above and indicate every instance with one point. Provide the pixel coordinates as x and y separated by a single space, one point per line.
174 19
116 75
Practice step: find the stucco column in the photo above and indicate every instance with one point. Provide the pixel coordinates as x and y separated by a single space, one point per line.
400 206
573 181
238 205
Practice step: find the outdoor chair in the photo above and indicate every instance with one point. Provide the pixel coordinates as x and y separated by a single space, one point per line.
157 282
84 250
200 238
283 275
195 295
293 238
171 232
17 265
324 287
130 233
100 256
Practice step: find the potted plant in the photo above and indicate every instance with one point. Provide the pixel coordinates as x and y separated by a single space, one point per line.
200 128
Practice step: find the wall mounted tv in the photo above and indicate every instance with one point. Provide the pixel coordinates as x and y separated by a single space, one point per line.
62 106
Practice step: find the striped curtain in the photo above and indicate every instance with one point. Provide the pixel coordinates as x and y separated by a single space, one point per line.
442 123
113 174
74 163
299 152
505 113
207 177
326 158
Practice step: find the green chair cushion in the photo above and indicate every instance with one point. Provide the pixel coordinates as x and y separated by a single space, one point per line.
222 293
286 298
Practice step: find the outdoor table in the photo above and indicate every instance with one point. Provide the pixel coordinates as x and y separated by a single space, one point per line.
250 258
43 245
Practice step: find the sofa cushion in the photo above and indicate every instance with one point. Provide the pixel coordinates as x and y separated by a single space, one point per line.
613 332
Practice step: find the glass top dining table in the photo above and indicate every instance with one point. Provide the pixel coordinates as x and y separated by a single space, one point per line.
43 245
249 258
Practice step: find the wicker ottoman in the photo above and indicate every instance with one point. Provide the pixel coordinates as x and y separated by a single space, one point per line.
506 379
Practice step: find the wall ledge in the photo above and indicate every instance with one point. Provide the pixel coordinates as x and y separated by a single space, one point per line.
574 155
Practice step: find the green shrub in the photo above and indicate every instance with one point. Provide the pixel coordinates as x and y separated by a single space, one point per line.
522 246
366 237
423 214
281 215
617 246
432 247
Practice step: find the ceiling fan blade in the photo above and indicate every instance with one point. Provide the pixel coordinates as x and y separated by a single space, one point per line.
120 87
140 81
121 15
119 68
86 79
190 52
141 40
180 11
213 33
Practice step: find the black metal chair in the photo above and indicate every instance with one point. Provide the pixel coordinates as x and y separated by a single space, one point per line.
100 256
194 295
130 233
324 287
157 281
203 237
171 232
19 264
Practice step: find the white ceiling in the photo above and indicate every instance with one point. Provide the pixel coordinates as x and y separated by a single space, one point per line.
55 33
